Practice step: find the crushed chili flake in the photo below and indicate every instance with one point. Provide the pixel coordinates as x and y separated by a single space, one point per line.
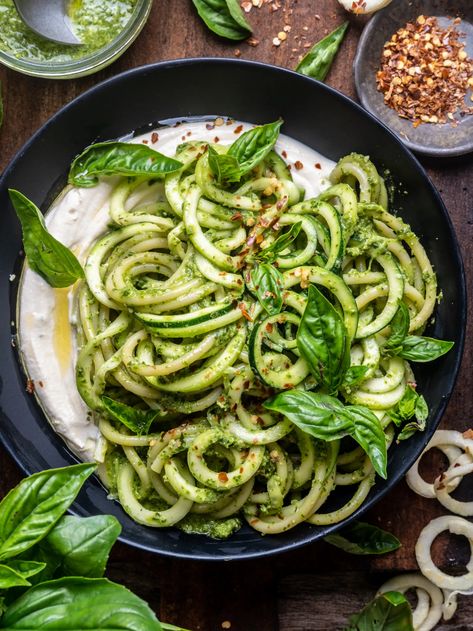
298 164
216 139
222 476
30 386
244 312
154 137
238 129
425 72
318 165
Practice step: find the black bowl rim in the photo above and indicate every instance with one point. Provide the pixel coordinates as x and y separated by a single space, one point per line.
420 148
397 475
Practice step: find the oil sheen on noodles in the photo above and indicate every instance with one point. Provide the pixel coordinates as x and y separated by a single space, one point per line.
167 324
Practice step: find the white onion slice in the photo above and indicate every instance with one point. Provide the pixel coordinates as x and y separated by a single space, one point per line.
424 618
457 526
443 486
417 483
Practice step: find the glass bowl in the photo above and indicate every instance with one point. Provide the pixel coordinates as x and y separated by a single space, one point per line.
90 63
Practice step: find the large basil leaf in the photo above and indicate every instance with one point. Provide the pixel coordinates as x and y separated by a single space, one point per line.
139 421
362 538
422 349
399 326
318 61
46 255
326 418
254 145
388 612
271 253
36 504
119 158
266 282
225 167
224 17
82 545
77 604
321 340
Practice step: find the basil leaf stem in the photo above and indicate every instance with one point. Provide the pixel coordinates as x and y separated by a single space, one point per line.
388 612
46 255
224 18
119 158
362 538
318 61
326 418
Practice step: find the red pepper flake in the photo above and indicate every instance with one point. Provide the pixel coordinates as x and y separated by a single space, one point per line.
154 137
269 327
298 164
238 129
216 139
30 386
284 153
41 384
145 142
236 217
318 165
209 126
244 312
252 41
222 476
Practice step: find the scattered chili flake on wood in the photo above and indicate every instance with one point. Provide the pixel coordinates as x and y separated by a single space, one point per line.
426 73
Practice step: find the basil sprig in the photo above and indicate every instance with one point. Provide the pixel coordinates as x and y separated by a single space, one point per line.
326 418
245 153
224 17
399 327
46 255
388 612
139 421
322 341
119 158
54 564
318 61
266 283
362 538
411 406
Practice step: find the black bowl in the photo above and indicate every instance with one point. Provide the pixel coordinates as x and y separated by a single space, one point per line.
314 114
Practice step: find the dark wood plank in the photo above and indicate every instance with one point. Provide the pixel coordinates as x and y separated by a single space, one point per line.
202 596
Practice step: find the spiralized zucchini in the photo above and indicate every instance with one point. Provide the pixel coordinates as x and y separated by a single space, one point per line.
170 328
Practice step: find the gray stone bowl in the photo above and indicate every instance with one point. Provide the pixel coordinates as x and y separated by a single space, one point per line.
428 139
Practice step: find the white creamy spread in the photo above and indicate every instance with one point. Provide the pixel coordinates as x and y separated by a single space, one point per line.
77 218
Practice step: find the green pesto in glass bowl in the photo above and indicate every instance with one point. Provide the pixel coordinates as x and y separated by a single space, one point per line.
106 29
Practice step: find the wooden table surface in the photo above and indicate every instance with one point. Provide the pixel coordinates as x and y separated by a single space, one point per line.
315 588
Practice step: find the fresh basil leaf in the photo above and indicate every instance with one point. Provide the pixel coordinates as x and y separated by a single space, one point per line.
224 17
387 612
79 604
139 421
82 544
271 253
369 434
318 61
225 167
36 504
321 340
316 414
266 282
11 578
254 145
354 375
411 405
46 255
362 538
26 568
399 327
119 158
326 418
415 348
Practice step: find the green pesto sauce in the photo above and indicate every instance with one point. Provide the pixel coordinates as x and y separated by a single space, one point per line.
95 22
196 524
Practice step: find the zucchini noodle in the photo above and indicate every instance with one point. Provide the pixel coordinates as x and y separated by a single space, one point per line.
168 326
